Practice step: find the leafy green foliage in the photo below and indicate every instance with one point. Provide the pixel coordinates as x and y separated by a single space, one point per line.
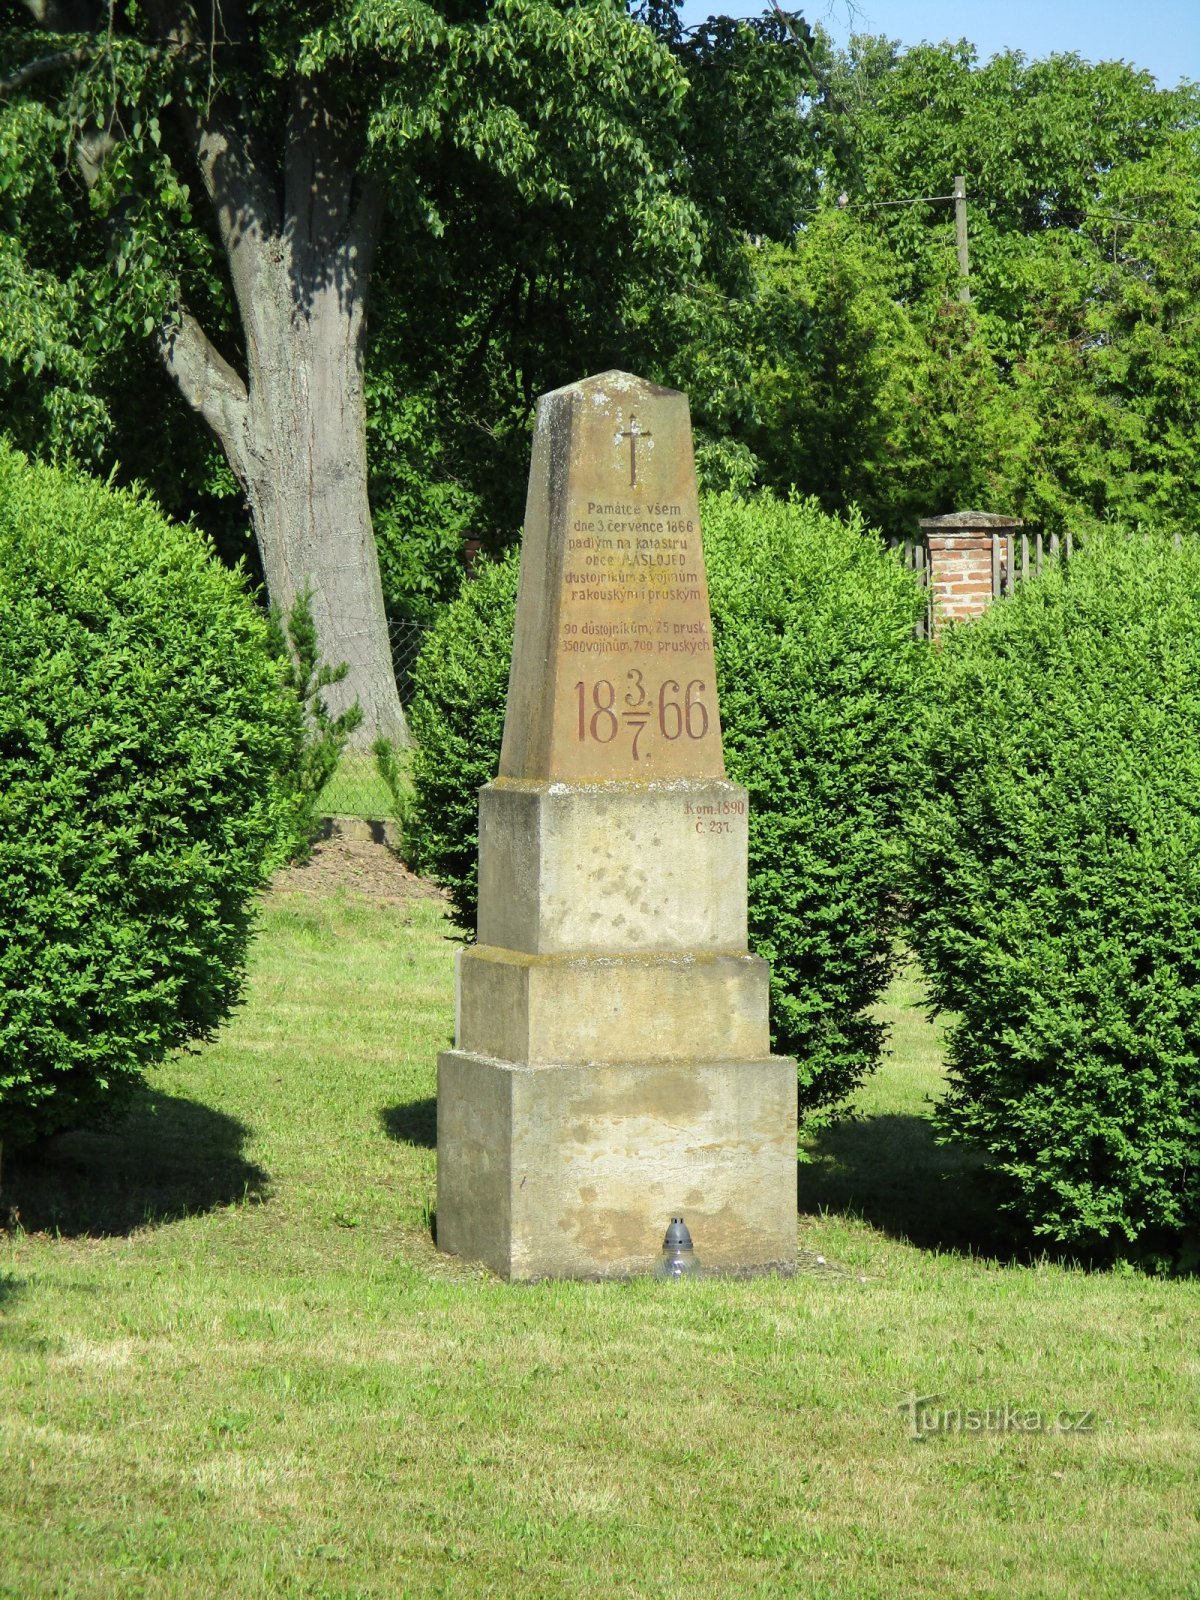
84 279
1055 886
1065 392
421 515
146 737
619 163
457 720
394 773
325 736
47 346
818 673
600 272
750 156
817 669
667 202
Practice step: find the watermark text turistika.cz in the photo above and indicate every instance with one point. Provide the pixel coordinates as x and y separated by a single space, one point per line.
927 1414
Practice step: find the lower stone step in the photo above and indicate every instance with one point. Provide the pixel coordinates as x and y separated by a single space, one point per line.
576 1171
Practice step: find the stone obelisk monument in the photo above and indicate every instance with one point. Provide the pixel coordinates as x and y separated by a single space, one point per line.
612 1065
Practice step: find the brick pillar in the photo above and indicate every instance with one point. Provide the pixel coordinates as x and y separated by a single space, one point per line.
967 550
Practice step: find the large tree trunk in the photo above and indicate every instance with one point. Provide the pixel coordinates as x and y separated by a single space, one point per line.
294 429
306 483
307 489
298 233
306 467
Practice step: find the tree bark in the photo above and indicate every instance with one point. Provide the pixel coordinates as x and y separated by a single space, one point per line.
298 232
306 484
294 428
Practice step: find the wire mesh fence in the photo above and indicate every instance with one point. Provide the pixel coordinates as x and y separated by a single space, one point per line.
359 788
407 636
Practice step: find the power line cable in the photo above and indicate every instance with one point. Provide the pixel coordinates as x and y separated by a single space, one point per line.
844 203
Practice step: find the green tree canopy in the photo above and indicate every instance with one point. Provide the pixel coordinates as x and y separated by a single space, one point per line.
535 190
1067 389
529 181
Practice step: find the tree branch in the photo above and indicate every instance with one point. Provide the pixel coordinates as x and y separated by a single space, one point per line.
64 16
43 67
208 383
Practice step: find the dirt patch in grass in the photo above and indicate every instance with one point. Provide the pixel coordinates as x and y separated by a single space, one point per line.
371 868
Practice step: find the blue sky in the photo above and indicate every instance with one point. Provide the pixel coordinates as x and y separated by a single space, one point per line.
1161 35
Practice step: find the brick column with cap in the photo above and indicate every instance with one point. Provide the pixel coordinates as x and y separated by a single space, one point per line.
963 562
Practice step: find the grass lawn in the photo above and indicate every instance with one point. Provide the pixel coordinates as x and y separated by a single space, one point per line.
233 1363
357 788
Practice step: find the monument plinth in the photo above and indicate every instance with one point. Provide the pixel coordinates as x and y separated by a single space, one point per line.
612 1065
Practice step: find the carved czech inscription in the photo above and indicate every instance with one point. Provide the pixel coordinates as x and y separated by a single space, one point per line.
627 635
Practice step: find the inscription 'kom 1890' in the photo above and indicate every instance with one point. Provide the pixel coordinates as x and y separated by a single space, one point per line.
613 597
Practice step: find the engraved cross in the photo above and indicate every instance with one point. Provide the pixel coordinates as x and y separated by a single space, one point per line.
633 433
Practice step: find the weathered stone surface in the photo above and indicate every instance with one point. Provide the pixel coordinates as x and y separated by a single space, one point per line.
612 867
633 1007
970 522
614 677
574 1172
612 1062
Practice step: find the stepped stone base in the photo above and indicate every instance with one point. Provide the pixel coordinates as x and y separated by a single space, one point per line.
556 1010
576 1170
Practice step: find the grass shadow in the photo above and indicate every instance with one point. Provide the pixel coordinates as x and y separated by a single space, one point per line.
166 1159
10 1287
887 1170
412 1123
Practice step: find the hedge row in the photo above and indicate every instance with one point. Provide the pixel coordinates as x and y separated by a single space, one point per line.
1028 791
1055 887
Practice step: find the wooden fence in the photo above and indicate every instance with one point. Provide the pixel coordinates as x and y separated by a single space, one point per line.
1014 556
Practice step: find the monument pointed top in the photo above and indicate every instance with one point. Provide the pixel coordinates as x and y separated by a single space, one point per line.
616 380
613 677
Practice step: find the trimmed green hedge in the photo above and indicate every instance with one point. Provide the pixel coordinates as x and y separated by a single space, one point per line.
817 671
145 739
1055 885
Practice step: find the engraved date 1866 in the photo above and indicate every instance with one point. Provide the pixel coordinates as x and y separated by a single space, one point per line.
677 710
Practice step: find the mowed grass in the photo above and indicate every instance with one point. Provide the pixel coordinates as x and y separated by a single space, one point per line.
235 1364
